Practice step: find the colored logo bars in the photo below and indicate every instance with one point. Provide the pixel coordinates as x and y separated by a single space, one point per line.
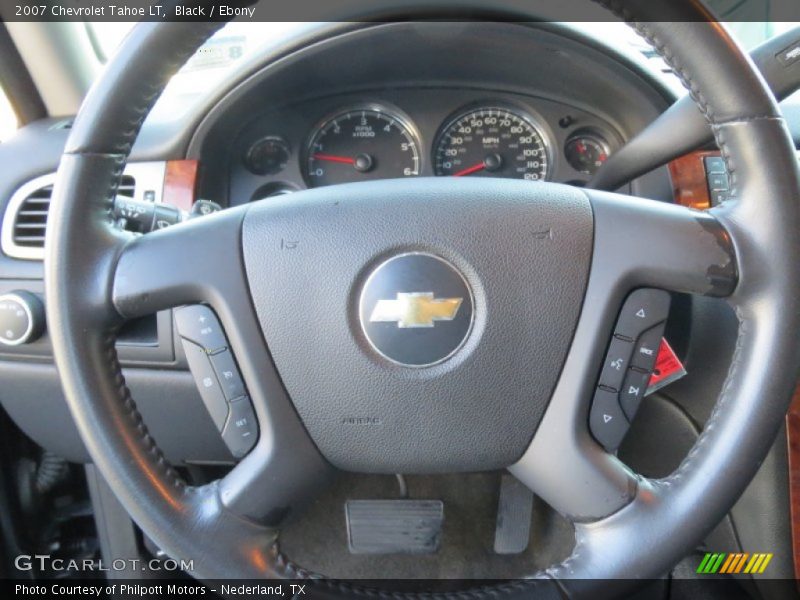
720 562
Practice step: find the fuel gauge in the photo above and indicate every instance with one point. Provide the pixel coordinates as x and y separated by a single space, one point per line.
268 155
586 152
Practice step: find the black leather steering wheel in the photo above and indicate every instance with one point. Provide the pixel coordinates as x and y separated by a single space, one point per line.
597 248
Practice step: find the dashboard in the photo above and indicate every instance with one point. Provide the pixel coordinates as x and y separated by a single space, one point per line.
533 103
431 131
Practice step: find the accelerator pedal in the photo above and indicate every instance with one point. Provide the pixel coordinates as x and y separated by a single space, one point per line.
514 511
394 526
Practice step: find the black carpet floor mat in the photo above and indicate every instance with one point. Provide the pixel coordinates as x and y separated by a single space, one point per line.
317 539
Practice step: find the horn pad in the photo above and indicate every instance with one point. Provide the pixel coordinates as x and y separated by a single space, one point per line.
420 325
416 309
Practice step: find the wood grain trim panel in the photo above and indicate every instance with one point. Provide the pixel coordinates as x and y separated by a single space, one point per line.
793 441
689 185
180 181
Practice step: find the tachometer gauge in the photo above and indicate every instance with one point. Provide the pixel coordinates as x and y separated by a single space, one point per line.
492 142
360 145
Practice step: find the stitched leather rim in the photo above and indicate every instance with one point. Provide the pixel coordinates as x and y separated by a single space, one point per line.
678 511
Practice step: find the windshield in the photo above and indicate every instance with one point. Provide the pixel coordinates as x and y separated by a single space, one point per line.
233 43
238 41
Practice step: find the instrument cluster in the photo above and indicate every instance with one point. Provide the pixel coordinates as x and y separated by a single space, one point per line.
364 141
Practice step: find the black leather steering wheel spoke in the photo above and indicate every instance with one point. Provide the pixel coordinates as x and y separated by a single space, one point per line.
536 274
200 262
638 243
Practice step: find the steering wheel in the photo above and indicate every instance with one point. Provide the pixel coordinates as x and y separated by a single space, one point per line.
541 271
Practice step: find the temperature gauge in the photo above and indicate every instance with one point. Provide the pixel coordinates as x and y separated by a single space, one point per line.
586 152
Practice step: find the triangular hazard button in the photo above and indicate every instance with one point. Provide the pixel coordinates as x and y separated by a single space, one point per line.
641 314
607 418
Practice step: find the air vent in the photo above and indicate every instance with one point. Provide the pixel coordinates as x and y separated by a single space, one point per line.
29 226
31 218
25 218
127 187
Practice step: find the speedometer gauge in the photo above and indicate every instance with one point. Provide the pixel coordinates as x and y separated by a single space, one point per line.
360 145
492 142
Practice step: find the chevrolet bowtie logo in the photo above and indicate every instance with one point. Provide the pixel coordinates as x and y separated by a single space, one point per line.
418 309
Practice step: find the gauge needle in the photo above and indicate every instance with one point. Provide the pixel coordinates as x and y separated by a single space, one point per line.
469 170
336 159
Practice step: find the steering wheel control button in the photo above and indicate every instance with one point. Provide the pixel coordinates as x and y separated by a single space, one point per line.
717 179
607 422
241 430
228 374
715 164
416 309
643 309
628 365
207 383
645 350
218 378
22 318
718 182
633 390
616 364
199 324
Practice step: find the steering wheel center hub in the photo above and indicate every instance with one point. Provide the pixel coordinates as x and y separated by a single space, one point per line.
420 325
416 309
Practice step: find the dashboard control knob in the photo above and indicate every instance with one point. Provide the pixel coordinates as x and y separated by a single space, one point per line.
22 319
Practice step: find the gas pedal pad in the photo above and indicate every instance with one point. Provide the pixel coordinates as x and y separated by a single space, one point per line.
394 526
514 511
